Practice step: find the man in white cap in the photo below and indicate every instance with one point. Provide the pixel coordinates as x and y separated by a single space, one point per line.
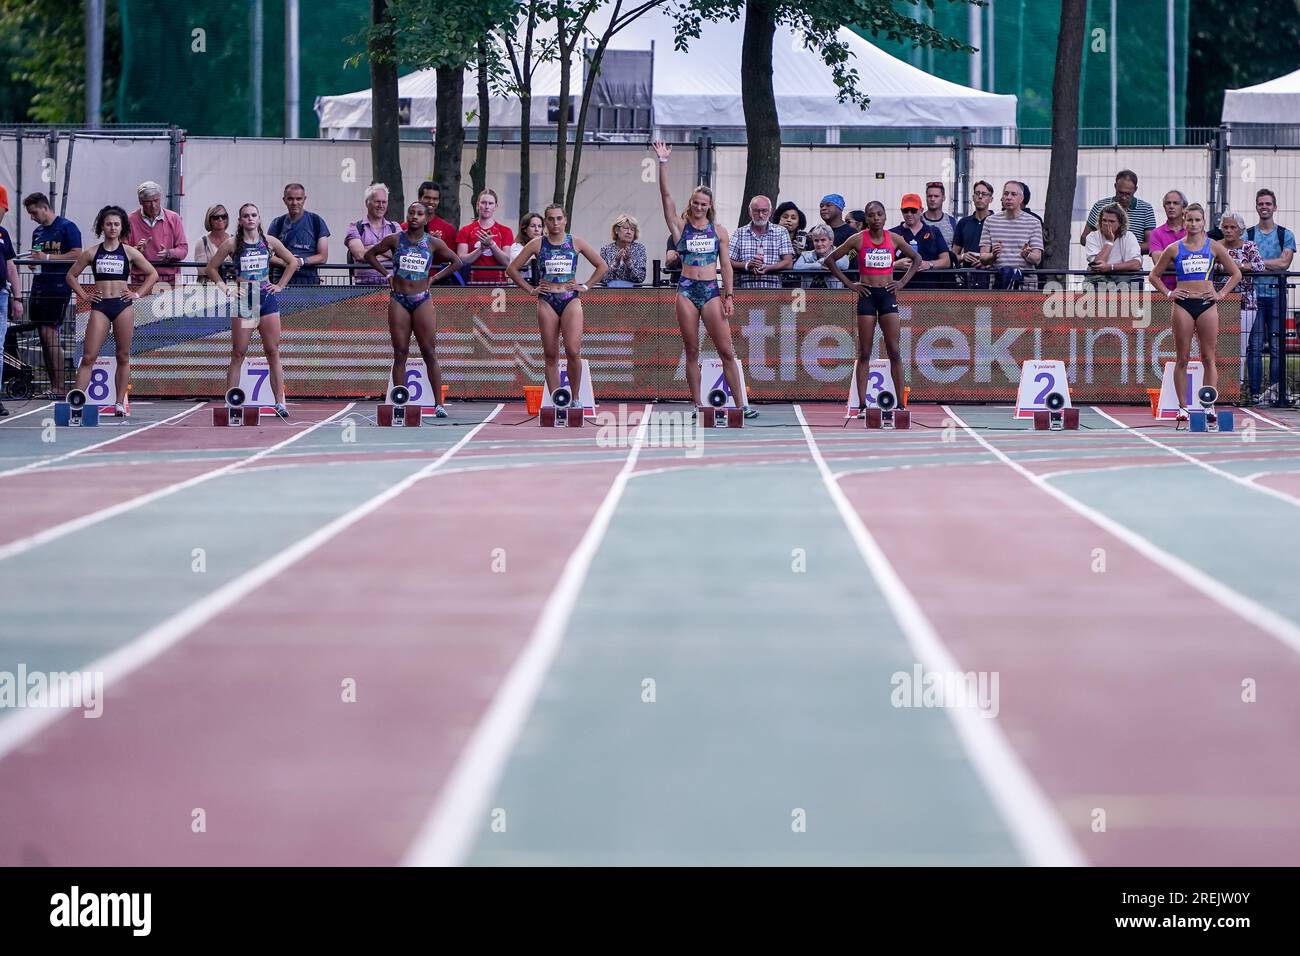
158 233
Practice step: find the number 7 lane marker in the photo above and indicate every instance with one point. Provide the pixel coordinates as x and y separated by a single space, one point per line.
1262 617
1034 826
23 545
24 724
448 833
127 433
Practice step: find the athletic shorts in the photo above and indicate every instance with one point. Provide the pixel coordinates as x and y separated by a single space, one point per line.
558 301
112 308
1194 307
878 301
699 291
409 302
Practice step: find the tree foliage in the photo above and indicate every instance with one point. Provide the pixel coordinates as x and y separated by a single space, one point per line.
43 57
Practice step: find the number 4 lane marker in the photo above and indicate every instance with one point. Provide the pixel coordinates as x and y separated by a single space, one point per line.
129 433
1026 811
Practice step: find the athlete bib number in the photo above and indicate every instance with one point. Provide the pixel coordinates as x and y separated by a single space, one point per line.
701 245
414 263
557 267
878 259
112 266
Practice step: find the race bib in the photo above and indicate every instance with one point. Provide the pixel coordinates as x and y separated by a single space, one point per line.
413 262
1194 264
112 266
699 245
254 262
878 258
558 267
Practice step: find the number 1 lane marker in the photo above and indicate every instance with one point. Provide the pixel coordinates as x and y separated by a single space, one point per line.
1262 617
1035 827
448 833
24 724
128 433
23 545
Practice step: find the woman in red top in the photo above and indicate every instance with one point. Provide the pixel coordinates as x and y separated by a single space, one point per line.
488 239
874 249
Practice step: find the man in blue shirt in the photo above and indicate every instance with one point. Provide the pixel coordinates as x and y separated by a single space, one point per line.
928 242
1276 248
57 242
303 233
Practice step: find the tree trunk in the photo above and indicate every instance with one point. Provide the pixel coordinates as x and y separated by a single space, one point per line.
478 171
385 157
580 129
762 130
449 140
562 122
1064 169
526 115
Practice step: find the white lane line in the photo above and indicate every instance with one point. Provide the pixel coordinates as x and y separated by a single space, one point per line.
31 411
447 835
1265 418
53 533
1212 469
24 724
1036 828
127 433
1244 607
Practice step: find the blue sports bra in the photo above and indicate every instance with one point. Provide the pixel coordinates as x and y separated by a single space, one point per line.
698 247
559 263
1193 264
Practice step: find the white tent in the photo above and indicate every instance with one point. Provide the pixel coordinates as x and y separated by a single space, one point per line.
702 87
1275 101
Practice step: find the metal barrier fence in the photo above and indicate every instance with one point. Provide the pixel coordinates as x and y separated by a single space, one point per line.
962 345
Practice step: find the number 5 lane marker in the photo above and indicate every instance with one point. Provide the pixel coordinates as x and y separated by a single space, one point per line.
1035 827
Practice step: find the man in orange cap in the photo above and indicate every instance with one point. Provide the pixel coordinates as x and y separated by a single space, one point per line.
10 290
926 239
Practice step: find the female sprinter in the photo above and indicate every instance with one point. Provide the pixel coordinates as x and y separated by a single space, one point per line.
875 249
558 305
252 250
409 306
1194 298
110 301
698 241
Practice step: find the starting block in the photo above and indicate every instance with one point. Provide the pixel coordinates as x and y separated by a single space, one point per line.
1056 417
561 412
234 414
1202 421
886 415
75 412
398 412
718 414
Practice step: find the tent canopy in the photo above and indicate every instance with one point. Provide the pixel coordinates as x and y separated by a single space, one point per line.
702 87
1275 101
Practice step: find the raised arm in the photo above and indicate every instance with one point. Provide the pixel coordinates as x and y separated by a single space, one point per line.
673 221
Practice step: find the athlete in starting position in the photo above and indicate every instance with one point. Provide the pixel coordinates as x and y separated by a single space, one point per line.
409 307
1194 298
111 301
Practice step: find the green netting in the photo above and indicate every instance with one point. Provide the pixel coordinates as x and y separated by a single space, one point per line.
1024 58
201 82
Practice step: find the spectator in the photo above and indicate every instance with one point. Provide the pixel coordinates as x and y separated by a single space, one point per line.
672 263
810 260
532 226
1012 241
858 220
832 211
488 239
795 222
1246 254
757 249
1024 188
57 242
1112 248
1141 217
431 196
1175 204
966 237
158 233
1276 248
367 232
10 286
216 230
625 256
304 234
925 239
935 194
